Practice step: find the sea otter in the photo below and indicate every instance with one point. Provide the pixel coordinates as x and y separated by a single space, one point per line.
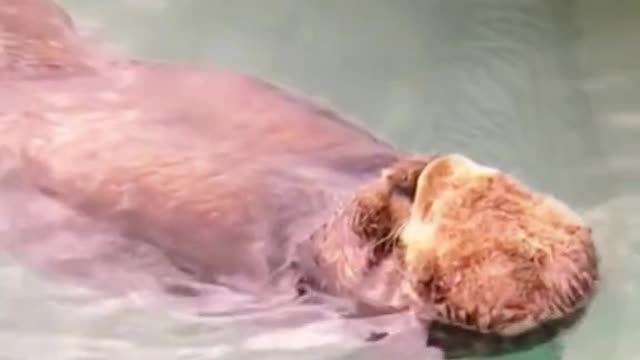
240 183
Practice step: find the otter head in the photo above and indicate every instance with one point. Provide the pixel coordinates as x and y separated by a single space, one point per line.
488 264
483 252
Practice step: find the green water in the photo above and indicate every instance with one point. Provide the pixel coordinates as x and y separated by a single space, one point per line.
547 90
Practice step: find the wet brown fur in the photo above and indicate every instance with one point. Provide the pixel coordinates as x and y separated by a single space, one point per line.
503 258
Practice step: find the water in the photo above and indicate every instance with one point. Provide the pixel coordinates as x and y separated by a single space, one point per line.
547 90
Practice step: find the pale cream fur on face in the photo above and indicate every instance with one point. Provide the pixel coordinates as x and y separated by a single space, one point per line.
419 233
509 258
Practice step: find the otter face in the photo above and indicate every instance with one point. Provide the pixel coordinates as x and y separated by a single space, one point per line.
484 253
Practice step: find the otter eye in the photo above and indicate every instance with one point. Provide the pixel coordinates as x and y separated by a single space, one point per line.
407 183
402 177
407 188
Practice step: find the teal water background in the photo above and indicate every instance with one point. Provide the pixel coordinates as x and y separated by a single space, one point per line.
547 90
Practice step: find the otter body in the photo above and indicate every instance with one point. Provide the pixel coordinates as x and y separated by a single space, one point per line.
111 166
237 181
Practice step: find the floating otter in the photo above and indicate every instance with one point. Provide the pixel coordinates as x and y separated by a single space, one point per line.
237 182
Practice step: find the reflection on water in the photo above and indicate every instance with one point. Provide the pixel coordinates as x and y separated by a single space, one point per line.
548 90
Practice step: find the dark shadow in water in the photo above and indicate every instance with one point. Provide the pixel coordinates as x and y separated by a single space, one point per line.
459 343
